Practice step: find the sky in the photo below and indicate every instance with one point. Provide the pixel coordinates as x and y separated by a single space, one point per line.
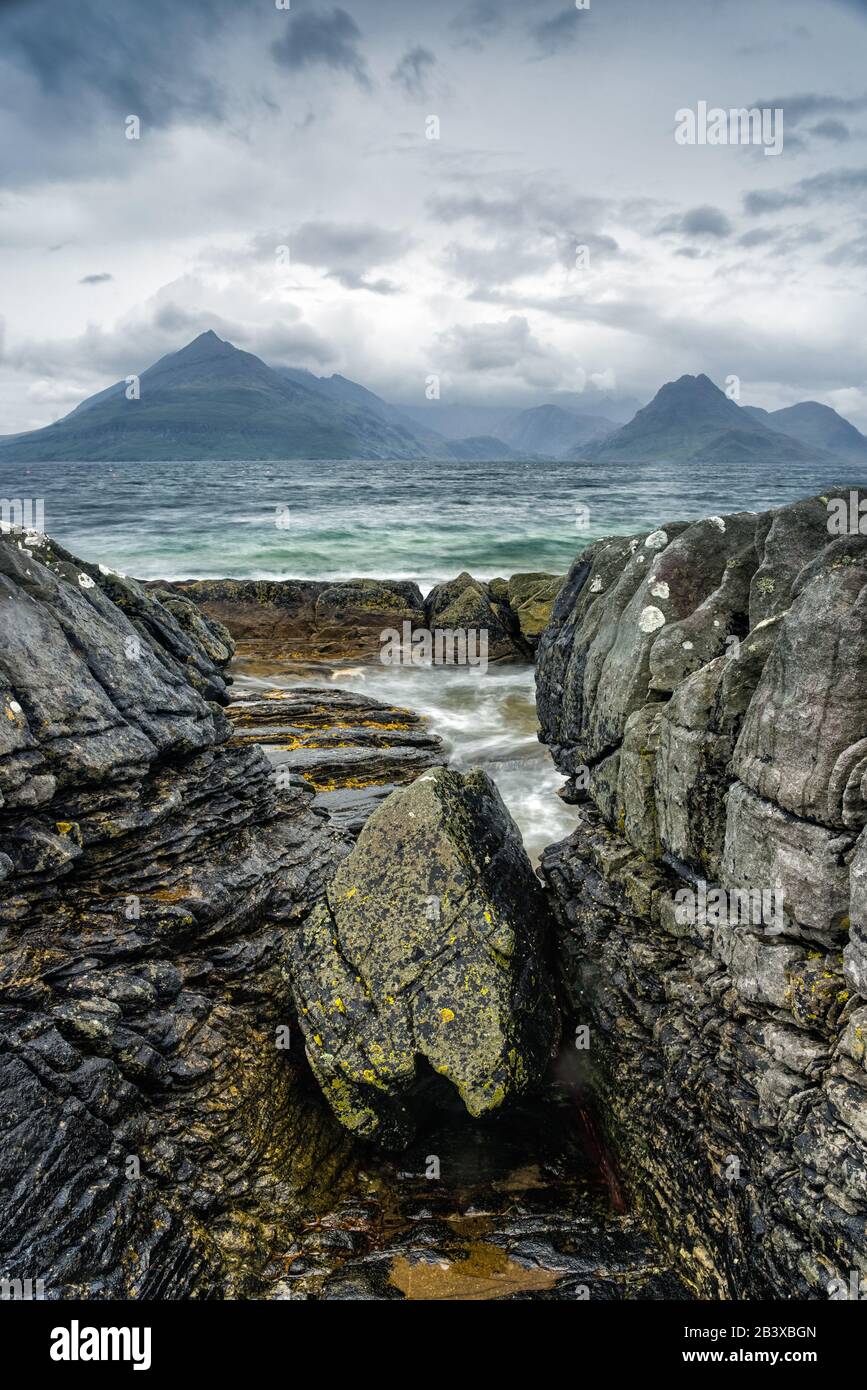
285 193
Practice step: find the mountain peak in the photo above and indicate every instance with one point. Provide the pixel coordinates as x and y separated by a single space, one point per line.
207 344
695 386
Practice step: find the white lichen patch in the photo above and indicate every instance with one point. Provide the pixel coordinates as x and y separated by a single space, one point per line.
85 581
660 589
656 540
718 522
652 618
596 586
687 646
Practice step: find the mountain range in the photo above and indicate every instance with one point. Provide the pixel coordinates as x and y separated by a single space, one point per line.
211 400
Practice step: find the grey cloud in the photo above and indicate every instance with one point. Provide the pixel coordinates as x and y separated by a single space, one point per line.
835 183
849 253
830 129
531 205
413 70
781 240
804 105
139 59
704 221
100 279
559 32
478 22
347 253
330 40
507 347
141 339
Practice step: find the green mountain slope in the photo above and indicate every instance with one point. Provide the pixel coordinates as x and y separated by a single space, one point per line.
213 401
690 420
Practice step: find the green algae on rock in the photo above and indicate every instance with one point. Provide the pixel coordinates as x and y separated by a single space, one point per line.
430 946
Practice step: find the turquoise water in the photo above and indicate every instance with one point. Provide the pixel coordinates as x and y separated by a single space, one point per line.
419 520
422 521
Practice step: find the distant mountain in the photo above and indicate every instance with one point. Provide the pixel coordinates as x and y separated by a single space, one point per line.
552 432
816 426
459 421
690 420
480 447
210 400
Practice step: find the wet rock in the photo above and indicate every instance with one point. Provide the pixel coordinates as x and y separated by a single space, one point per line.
320 621
805 864
856 952
511 1207
803 744
531 598
155 1131
468 605
430 946
350 749
306 619
708 683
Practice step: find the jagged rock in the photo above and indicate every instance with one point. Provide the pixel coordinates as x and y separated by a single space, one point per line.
855 954
313 620
430 946
708 684
469 605
766 849
154 1135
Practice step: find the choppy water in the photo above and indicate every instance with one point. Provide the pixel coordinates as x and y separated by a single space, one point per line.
485 721
417 520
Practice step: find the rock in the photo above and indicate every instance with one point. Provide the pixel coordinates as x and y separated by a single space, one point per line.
803 744
306 619
855 954
706 685
156 1138
531 598
468 605
312 620
430 946
805 864
350 749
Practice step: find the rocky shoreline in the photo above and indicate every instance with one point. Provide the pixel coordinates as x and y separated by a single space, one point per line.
705 687
306 620
221 909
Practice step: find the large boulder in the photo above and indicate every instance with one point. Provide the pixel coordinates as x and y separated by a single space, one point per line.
430 946
468 605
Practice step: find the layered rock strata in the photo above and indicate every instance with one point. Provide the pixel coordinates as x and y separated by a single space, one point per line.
351 749
157 1130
